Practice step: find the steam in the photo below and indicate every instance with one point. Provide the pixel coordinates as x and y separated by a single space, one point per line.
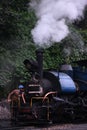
53 19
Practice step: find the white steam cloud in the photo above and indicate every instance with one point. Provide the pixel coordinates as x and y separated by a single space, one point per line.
53 16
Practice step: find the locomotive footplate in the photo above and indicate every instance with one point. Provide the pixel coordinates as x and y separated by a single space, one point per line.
34 111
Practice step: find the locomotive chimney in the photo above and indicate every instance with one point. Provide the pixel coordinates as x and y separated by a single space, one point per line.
39 57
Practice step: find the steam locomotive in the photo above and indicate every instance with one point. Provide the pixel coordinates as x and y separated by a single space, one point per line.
53 95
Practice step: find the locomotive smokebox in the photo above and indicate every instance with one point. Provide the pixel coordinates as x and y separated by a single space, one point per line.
39 57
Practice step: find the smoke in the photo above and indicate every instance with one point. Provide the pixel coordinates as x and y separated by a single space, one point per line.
53 19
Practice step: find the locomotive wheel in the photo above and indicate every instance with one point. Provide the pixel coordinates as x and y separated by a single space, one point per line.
56 113
39 112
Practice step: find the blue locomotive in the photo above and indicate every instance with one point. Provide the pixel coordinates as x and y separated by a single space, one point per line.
52 95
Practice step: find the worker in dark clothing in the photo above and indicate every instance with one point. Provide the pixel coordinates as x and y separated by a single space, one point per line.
32 67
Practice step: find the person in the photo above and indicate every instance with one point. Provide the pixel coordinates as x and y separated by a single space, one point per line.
31 65
17 93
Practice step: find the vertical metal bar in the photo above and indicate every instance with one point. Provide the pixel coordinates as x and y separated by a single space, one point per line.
39 54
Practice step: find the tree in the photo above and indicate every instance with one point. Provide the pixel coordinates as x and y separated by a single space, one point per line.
16 43
15 35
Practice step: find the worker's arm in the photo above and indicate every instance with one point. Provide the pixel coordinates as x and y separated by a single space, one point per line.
23 98
9 96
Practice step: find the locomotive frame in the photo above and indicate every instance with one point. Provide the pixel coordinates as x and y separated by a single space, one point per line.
55 95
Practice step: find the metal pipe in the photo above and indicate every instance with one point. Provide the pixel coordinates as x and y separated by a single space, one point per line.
39 58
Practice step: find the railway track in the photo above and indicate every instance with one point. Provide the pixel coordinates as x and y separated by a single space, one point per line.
7 125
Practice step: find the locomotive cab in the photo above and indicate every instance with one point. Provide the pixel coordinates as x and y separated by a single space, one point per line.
60 82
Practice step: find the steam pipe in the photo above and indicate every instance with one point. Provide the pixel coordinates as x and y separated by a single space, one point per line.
39 58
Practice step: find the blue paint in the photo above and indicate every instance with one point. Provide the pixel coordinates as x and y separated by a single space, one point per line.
66 83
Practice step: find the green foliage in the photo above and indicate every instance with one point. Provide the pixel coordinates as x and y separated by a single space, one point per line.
27 52
73 46
15 40
16 43
82 29
84 35
15 19
53 56
1 92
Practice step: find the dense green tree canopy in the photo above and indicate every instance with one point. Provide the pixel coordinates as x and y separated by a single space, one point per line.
16 43
82 26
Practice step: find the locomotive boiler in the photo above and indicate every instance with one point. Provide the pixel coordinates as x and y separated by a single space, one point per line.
52 95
